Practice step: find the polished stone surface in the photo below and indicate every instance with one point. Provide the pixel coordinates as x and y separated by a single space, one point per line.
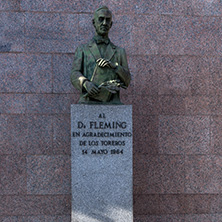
102 173
174 52
35 205
12 29
44 177
51 32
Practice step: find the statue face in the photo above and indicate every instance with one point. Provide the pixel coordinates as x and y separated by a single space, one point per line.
102 22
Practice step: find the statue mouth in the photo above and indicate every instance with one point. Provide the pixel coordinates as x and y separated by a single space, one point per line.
105 28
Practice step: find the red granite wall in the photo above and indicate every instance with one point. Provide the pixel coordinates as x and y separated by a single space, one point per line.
174 50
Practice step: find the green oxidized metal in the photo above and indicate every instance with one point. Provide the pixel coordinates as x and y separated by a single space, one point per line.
100 65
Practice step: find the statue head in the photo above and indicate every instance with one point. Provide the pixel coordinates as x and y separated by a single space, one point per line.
102 21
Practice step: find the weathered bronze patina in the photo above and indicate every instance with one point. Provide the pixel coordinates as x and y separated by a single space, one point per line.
100 68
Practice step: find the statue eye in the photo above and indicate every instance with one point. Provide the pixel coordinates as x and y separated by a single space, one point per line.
101 19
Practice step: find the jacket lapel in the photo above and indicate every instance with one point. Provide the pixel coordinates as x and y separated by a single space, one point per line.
93 48
110 51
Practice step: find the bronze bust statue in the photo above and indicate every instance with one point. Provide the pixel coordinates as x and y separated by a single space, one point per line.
100 68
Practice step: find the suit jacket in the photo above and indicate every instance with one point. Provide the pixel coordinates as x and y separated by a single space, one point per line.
84 64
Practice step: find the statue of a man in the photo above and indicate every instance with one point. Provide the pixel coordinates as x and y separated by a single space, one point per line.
100 68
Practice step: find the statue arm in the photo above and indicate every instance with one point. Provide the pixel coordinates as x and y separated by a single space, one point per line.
77 77
78 80
122 69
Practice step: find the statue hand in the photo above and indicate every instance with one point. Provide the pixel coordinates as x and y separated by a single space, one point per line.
112 65
91 88
102 62
106 63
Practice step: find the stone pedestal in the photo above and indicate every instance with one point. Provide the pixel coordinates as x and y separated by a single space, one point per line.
101 138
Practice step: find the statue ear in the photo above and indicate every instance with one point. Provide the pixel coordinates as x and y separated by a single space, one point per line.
111 24
93 21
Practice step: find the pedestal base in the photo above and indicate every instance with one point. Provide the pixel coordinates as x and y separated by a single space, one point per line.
101 163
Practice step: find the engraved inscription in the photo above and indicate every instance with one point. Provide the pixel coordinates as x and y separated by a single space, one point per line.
101 137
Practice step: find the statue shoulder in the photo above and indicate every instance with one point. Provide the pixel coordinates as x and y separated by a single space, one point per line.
82 47
119 49
85 46
114 46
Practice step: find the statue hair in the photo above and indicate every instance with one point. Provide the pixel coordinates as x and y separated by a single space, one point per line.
102 8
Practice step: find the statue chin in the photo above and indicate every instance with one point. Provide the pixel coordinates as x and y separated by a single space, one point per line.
103 33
